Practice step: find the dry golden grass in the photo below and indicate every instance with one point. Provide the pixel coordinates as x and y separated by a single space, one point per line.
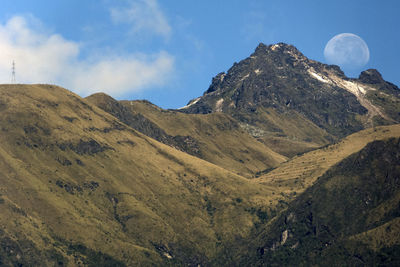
71 173
300 172
147 193
221 140
287 132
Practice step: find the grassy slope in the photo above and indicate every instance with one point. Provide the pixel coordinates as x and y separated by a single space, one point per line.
302 171
221 140
350 216
77 185
288 133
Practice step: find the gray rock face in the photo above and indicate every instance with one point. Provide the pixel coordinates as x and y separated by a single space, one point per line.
281 77
371 76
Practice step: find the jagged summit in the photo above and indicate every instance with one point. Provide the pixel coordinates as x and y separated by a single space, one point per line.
371 76
281 78
272 51
277 48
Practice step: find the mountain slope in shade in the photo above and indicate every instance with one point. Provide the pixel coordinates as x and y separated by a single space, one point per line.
277 82
216 138
350 216
78 186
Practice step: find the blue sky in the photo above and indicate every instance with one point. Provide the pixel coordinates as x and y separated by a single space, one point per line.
168 51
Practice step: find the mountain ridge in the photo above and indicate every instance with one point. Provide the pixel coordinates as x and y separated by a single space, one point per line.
83 187
267 180
216 138
281 77
339 219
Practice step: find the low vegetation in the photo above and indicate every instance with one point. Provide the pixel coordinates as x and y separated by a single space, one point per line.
268 168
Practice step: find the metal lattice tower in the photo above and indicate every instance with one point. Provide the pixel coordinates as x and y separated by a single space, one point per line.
13 80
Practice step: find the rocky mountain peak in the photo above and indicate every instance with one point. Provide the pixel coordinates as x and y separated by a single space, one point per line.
265 59
371 76
216 82
280 52
277 48
281 78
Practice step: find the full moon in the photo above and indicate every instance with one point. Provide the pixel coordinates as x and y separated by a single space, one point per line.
347 50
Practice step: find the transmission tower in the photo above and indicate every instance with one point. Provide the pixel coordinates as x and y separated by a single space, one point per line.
13 80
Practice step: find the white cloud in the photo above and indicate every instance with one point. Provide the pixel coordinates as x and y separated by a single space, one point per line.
118 75
49 58
144 16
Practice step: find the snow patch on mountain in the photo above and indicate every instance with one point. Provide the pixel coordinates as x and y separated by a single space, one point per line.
191 103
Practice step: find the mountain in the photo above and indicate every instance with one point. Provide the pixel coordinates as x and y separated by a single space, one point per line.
349 217
78 186
282 161
300 172
217 138
290 102
287 102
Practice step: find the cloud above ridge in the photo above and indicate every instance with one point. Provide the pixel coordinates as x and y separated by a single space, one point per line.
143 16
42 57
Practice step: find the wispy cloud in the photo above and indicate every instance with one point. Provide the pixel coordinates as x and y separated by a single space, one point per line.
50 58
259 24
144 16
